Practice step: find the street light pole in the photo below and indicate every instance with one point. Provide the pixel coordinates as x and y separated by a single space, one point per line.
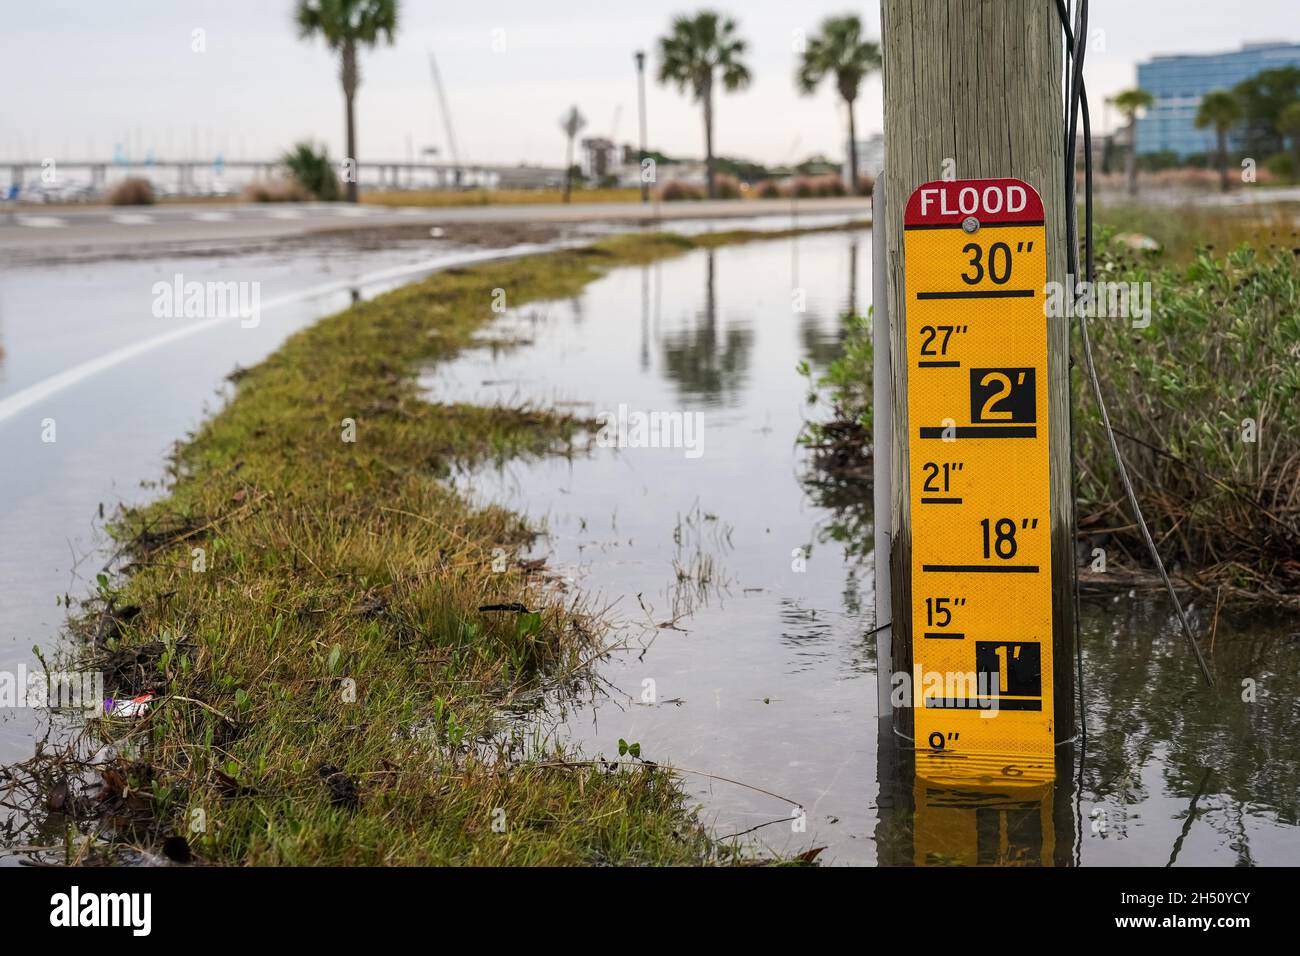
640 79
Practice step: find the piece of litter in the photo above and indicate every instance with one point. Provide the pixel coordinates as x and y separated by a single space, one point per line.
135 707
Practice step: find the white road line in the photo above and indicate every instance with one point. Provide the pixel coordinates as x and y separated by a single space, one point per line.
353 211
212 217
40 222
132 219
42 390
283 214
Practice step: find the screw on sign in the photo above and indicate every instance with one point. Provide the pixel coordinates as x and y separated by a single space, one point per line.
975 268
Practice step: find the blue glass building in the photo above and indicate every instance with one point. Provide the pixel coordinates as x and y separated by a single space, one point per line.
1179 81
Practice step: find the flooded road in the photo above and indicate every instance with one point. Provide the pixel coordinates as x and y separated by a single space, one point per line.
742 593
743 598
95 388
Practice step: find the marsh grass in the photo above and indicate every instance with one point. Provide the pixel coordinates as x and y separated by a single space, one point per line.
336 685
1207 405
1184 232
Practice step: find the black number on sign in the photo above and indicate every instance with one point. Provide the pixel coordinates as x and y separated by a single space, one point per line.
976 261
929 332
932 332
998 251
931 473
1003 542
938 741
938 611
1005 250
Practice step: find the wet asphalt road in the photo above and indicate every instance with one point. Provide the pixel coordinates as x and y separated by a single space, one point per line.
33 231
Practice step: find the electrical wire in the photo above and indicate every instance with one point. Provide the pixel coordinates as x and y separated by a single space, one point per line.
1072 246
1076 44
1072 257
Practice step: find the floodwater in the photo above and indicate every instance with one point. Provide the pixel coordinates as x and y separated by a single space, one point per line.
741 598
95 388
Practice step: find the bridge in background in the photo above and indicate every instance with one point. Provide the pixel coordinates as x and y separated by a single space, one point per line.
71 179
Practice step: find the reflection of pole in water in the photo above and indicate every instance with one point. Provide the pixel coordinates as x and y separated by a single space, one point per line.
853 277
977 821
710 300
645 317
659 298
979 827
891 805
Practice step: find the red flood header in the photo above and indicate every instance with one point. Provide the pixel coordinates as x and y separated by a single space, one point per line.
988 200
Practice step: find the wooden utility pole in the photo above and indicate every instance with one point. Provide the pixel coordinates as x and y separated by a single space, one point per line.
972 90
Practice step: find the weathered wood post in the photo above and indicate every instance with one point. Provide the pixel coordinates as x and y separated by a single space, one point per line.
972 90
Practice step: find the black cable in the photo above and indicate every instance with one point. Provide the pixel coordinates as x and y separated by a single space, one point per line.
1071 219
1072 267
1077 83
1077 44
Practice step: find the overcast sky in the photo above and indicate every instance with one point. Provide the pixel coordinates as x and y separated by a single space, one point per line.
82 75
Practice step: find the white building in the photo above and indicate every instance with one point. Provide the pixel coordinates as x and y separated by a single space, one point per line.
871 156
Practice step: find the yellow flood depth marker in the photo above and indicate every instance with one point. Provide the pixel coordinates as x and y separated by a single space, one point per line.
975 267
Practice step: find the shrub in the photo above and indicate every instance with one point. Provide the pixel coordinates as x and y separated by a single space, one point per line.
727 187
1282 165
1221 348
275 190
769 189
311 168
827 184
132 191
676 191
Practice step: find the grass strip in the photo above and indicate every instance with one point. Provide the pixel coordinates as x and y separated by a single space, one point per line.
306 603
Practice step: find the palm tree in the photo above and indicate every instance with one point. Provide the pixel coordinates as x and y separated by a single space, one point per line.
840 51
695 49
1288 124
346 25
572 123
1222 110
1130 103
